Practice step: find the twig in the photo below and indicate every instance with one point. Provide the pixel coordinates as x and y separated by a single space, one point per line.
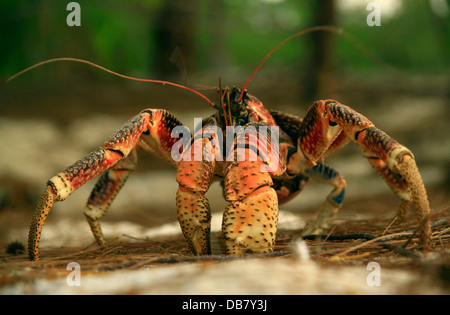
370 238
389 226
373 240
348 257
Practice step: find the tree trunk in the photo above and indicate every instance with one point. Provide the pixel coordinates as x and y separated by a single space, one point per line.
320 77
174 32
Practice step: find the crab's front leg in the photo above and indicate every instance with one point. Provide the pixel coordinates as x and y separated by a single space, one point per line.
65 183
150 129
328 125
194 213
250 221
195 173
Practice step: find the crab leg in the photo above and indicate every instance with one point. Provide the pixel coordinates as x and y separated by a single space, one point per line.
333 203
194 213
288 188
194 178
150 129
62 185
396 182
104 192
322 130
250 221
400 171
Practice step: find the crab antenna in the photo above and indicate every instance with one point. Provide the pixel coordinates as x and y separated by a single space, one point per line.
229 106
327 28
222 103
112 72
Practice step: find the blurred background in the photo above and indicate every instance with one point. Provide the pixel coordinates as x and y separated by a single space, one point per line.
396 74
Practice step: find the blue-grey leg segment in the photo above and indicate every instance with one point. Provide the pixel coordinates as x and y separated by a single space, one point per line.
325 174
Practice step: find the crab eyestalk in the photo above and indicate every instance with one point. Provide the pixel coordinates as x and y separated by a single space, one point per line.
40 214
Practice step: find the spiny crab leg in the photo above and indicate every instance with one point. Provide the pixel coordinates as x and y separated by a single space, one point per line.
397 166
62 185
43 208
150 130
328 125
410 172
119 146
104 192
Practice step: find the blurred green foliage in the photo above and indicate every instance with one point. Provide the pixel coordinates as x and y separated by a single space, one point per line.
230 34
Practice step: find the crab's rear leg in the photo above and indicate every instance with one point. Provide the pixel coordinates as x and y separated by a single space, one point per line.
325 174
104 192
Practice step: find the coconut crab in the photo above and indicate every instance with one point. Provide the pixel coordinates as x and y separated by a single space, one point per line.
253 192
